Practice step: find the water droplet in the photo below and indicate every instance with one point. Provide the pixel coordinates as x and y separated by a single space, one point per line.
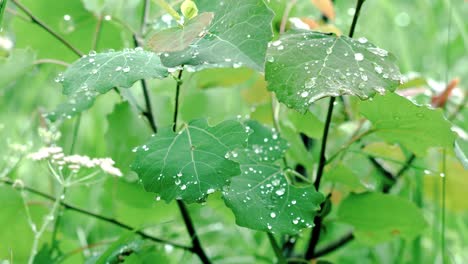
362 40
183 187
295 221
329 50
276 43
304 94
280 192
378 69
126 69
158 198
293 202
378 51
210 191
67 25
272 215
358 56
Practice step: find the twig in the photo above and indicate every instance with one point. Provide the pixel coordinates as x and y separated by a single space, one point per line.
97 216
97 33
276 249
315 234
148 113
51 61
349 237
334 245
196 244
40 23
284 19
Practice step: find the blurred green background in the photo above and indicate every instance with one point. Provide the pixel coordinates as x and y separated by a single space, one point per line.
429 38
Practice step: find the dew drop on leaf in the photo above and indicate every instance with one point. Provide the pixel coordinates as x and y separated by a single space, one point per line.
358 56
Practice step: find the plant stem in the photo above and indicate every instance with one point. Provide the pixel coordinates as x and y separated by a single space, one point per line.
40 23
196 244
276 249
349 237
315 234
97 216
334 245
51 61
148 113
97 33
47 220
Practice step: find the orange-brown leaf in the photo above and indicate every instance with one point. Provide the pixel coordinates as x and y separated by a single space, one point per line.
441 99
326 7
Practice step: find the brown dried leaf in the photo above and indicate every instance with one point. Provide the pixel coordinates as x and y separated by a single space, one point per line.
326 7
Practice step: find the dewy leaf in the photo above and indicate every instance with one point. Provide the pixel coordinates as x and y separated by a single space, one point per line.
238 36
417 128
262 198
192 163
304 67
378 217
179 38
97 73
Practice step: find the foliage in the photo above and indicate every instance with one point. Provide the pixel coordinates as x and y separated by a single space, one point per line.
270 135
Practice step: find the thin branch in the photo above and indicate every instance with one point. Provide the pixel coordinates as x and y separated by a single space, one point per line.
284 19
97 216
51 61
276 249
315 234
148 113
176 104
97 33
334 245
197 247
40 23
322 160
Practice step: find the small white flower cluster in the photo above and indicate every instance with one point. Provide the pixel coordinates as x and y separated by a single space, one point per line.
74 162
49 136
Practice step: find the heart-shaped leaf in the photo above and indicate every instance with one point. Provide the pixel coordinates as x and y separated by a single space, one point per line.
262 197
238 36
398 120
192 163
97 73
379 217
304 67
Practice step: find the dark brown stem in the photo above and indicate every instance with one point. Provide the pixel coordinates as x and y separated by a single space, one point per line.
40 23
315 234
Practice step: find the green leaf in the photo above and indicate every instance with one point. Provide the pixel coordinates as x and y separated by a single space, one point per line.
126 130
417 128
179 38
238 36
304 67
343 175
262 197
189 9
192 163
378 217
96 74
